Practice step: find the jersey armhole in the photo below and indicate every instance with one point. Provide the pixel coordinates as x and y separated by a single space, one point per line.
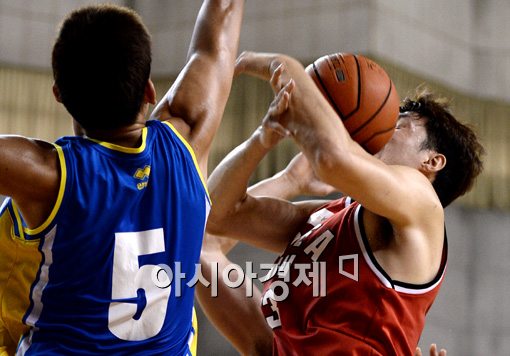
29 234
192 153
382 275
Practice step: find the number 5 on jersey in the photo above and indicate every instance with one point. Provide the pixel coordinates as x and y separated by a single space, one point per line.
139 308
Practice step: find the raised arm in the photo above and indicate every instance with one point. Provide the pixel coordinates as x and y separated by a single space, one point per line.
399 193
196 101
230 310
234 210
297 179
272 222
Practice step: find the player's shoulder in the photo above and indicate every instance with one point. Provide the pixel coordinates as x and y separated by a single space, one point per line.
69 141
413 180
168 129
424 200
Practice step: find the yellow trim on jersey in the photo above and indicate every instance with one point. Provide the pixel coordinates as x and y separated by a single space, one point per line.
194 324
60 196
190 149
115 147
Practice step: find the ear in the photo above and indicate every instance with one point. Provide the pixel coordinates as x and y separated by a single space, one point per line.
150 93
435 162
56 93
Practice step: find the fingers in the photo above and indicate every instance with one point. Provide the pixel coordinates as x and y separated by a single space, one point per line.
281 102
433 351
279 77
276 76
279 105
289 87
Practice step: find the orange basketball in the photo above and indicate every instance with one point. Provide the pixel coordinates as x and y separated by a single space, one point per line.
361 93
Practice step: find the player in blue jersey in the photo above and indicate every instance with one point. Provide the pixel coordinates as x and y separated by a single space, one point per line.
108 208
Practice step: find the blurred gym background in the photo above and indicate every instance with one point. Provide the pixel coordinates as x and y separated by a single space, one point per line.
459 48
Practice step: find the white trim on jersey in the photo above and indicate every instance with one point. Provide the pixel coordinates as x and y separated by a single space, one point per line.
24 344
37 291
43 277
368 260
190 341
420 290
385 281
4 203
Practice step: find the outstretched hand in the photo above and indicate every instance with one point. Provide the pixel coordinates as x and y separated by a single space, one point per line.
300 172
432 351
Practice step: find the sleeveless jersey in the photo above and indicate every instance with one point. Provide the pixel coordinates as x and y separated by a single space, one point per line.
19 262
327 295
119 249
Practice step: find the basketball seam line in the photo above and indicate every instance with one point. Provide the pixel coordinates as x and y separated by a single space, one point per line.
355 132
359 90
332 102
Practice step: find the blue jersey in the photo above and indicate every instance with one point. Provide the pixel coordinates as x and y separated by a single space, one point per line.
118 249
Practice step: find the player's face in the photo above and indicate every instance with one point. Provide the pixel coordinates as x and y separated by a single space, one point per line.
405 146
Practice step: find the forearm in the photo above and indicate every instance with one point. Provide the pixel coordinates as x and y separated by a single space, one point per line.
257 64
318 139
316 128
228 182
386 190
211 56
277 186
196 101
217 28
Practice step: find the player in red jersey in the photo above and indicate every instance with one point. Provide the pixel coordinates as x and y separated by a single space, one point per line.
352 278
232 307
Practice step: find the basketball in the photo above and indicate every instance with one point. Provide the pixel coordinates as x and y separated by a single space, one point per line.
361 93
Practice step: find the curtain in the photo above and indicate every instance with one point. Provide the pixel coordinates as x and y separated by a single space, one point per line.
27 107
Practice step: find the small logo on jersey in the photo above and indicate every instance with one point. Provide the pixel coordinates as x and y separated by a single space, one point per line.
350 269
143 175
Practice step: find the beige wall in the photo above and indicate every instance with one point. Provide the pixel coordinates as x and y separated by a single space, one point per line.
27 107
463 44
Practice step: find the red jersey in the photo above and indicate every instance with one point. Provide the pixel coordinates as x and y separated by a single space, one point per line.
327 295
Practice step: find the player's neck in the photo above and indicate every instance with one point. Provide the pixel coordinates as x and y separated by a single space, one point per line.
128 136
